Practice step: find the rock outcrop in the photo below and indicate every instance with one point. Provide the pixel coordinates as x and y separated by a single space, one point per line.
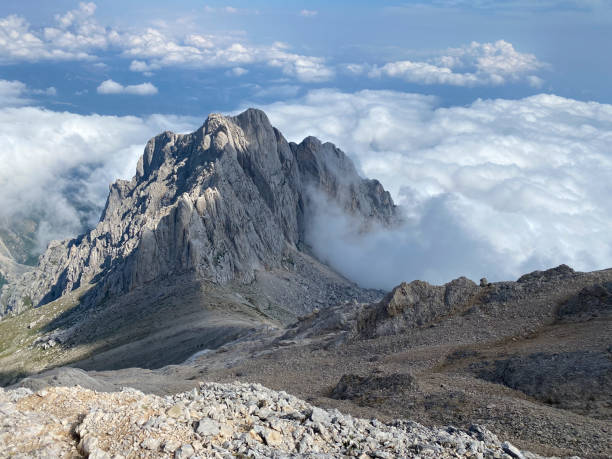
217 420
577 380
223 202
416 304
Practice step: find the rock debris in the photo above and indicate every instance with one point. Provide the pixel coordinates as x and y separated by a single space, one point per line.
217 420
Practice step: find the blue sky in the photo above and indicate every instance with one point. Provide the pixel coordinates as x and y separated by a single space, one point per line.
489 121
566 39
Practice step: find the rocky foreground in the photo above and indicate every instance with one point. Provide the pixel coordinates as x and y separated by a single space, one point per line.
216 420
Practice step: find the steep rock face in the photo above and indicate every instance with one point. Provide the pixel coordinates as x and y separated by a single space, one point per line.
222 202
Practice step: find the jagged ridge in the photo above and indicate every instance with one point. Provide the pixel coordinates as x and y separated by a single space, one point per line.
229 199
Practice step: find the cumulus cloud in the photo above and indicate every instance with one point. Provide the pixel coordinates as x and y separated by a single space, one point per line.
112 87
50 91
153 50
85 11
305 68
12 93
476 64
76 35
237 71
15 93
495 189
57 165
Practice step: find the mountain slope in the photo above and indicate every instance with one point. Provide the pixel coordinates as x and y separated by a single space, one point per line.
206 244
200 269
223 202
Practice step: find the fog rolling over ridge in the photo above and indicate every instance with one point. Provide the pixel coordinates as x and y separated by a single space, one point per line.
429 249
494 189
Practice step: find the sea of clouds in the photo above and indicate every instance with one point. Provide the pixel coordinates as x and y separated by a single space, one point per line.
496 188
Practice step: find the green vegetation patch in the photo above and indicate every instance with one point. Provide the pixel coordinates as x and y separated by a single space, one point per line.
18 354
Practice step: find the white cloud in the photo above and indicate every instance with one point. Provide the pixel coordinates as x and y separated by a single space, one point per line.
304 68
355 69
495 189
81 14
78 36
476 64
73 37
422 72
534 81
112 87
499 58
200 41
153 50
50 91
57 165
12 93
229 10
139 66
237 71
308 13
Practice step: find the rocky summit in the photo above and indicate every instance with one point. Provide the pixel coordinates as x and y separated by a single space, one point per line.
221 203
200 269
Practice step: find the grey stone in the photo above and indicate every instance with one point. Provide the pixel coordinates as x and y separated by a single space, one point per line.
512 450
319 416
151 443
184 452
220 202
208 427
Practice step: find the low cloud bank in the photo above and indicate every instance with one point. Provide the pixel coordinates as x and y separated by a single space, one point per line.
495 189
57 166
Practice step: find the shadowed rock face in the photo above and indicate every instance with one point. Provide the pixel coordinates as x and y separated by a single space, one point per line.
591 302
222 202
367 389
578 380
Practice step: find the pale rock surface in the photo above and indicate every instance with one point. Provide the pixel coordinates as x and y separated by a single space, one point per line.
223 202
255 422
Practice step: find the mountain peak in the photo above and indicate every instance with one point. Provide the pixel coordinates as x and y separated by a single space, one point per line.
222 203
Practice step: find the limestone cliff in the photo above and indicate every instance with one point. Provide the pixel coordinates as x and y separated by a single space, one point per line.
222 203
